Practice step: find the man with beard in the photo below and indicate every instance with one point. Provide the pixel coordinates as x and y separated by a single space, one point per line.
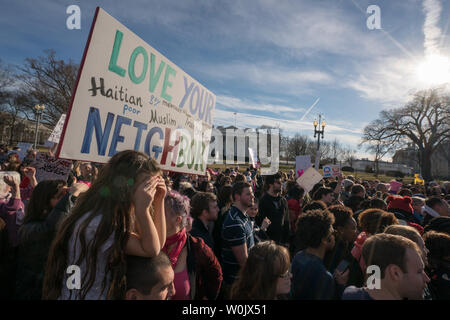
237 233
274 207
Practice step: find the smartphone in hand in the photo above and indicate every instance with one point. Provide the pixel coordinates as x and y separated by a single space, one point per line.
343 265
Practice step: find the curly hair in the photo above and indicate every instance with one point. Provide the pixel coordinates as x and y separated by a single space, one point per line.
342 215
313 226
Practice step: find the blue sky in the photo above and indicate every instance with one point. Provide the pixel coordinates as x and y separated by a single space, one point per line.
267 60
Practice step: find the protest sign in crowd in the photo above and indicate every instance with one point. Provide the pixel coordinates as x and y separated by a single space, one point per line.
129 210
129 230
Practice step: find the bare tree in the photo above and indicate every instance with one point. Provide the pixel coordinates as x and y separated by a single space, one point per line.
425 121
297 145
49 81
6 80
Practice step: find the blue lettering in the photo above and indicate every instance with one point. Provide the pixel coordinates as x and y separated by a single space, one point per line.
116 135
140 126
187 91
193 111
102 136
150 134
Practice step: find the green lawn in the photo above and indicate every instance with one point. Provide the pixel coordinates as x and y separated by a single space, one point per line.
286 168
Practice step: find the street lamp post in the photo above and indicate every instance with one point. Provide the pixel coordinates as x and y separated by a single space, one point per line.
318 133
39 110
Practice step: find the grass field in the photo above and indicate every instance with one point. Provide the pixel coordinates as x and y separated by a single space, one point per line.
286 168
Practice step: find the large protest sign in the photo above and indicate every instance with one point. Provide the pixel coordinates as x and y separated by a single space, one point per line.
130 96
50 168
56 133
309 178
301 164
331 170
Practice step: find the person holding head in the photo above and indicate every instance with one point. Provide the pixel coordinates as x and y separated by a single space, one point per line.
149 278
438 245
121 213
274 206
311 280
401 270
205 211
434 207
237 234
266 274
198 274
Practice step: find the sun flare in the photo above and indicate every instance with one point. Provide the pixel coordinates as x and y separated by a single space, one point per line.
435 69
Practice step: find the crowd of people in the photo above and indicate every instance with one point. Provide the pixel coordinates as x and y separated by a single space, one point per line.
136 232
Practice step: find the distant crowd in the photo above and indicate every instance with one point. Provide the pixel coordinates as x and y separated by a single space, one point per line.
129 230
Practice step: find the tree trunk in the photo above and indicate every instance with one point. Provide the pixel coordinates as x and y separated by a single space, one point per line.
425 164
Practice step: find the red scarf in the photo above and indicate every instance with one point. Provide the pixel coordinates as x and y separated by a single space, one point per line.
180 240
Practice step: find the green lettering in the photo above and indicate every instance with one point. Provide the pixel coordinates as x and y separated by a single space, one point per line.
131 73
115 54
167 83
155 78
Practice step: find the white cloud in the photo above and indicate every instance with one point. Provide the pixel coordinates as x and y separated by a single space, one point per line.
431 30
239 104
268 76
289 127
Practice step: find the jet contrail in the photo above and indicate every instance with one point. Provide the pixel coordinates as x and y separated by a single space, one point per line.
431 29
307 111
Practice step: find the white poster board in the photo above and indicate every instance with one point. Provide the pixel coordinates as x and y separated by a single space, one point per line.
56 133
50 168
131 97
301 164
309 178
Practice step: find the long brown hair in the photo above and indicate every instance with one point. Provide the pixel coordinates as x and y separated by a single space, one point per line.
110 196
259 277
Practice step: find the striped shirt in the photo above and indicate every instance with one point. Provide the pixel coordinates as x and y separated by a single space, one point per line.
236 230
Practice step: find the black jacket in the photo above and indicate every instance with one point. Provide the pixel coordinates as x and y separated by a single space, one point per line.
35 239
277 210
